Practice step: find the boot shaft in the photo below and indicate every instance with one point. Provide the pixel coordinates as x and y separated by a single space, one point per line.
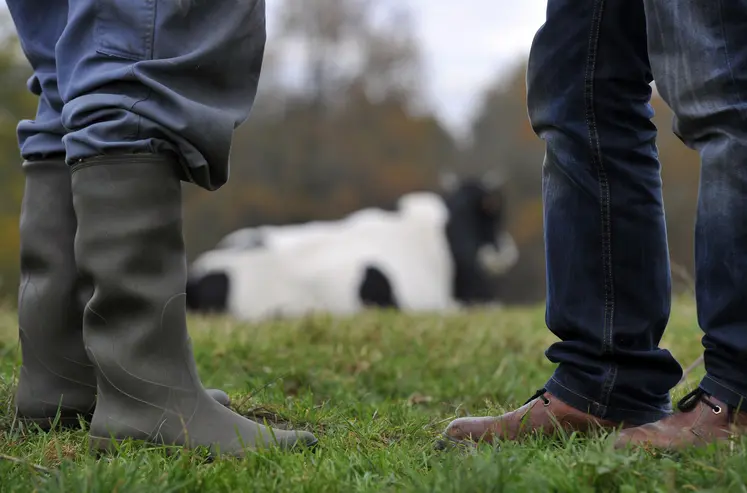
130 244
55 370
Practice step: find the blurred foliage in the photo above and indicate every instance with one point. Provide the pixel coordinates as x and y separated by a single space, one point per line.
16 103
353 130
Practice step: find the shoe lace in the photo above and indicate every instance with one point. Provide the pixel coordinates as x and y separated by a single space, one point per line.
691 400
540 394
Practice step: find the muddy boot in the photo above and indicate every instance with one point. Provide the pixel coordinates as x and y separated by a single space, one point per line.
55 374
130 244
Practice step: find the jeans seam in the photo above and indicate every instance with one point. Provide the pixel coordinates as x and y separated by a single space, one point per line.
151 36
604 199
598 406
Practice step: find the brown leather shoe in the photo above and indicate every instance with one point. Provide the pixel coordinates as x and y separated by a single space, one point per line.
543 413
701 420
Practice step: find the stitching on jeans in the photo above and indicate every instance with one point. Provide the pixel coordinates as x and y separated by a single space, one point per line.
590 401
150 37
604 198
609 384
632 412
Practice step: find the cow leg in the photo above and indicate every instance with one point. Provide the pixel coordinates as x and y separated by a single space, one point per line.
376 289
208 293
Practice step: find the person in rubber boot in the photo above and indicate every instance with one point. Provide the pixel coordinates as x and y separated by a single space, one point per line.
135 97
608 269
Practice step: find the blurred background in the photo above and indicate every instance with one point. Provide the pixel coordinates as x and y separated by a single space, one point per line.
362 101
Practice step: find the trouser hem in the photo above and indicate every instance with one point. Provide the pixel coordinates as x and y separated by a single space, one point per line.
576 399
724 393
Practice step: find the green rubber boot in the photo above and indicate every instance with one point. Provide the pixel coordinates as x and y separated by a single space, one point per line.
56 374
130 244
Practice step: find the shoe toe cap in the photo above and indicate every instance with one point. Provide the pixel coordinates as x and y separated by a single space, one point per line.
468 428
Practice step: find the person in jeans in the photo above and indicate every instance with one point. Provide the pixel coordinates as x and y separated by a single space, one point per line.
608 273
135 97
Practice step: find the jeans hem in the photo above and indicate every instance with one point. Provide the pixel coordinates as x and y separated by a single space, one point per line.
577 400
723 393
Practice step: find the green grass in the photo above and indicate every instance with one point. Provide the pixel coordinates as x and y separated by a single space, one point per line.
377 390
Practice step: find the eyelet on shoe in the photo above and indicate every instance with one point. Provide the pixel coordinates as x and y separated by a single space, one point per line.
717 410
546 402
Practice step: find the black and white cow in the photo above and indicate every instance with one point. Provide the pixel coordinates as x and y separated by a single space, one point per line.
436 252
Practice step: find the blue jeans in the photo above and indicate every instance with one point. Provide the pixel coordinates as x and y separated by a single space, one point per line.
132 76
608 274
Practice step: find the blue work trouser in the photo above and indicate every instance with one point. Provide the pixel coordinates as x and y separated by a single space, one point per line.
131 76
608 272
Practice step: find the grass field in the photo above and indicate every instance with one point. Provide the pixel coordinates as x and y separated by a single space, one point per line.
377 390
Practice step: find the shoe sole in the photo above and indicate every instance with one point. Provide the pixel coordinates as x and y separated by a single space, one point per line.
447 441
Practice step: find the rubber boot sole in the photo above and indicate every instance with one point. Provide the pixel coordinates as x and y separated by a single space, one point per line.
106 446
47 424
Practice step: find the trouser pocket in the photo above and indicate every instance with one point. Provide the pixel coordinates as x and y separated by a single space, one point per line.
124 28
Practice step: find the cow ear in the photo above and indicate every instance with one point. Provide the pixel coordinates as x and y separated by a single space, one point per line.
449 181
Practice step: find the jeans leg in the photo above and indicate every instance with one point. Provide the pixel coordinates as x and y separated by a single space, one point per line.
41 138
608 277
699 57
149 76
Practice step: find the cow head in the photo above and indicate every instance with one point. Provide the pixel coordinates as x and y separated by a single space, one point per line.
480 245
